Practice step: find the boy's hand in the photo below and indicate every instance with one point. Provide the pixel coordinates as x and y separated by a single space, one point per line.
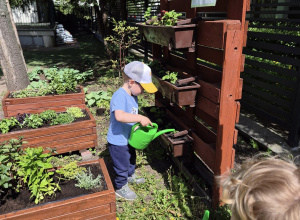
145 121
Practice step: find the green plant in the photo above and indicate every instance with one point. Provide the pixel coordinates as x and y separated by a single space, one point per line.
34 74
33 121
62 118
124 37
170 76
33 168
58 161
86 180
254 144
169 18
48 115
7 124
93 97
10 152
70 170
75 112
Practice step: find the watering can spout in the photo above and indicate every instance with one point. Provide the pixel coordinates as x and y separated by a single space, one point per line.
162 132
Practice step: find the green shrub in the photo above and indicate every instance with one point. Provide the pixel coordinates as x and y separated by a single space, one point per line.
63 118
48 115
93 97
33 168
33 121
70 170
86 180
7 124
75 112
170 77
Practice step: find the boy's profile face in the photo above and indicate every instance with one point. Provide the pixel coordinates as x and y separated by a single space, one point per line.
135 88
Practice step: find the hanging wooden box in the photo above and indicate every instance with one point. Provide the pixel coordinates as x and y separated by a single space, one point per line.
180 95
173 37
64 138
58 103
99 205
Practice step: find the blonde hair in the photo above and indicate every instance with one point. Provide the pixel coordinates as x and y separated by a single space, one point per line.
263 189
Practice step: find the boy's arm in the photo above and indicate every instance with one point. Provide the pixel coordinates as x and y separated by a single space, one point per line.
125 117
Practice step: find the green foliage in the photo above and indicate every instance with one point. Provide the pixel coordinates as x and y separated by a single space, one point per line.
33 121
63 118
48 115
170 76
75 112
10 152
33 166
86 180
124 37
254 144
70 170
96 96
169 18
34 74
60 160
7 124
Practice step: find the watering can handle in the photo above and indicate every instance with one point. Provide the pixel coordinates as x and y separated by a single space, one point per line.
137 125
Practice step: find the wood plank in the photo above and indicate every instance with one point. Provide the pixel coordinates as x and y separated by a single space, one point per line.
179 7
211 121
243 63
85 214
39 110
246 27
238 110
221 6
111 216
14 101
208 74
279 37
210 54
239 90
204 133
211 33
63 103
72 147
209 91
207 106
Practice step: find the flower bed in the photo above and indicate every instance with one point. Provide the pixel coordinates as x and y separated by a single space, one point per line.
101 204
179 143
58 103
63 138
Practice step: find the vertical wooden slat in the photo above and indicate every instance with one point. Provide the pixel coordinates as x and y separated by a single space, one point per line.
230 81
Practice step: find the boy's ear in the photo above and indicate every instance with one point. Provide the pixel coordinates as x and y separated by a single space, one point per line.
131 82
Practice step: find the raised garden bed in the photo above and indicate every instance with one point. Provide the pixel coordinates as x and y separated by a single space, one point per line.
99 203
58 103
179 143
173 37
180 94
63 138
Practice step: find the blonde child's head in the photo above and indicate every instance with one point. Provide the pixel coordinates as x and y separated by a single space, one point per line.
263 189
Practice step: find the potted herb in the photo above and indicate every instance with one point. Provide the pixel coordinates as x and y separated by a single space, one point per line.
67 131
59 90
167 30
40 191
179 143
179 87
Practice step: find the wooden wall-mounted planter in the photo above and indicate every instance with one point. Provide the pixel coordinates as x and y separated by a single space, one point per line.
58 103
173 37
99 205
180 95
177 146
64 138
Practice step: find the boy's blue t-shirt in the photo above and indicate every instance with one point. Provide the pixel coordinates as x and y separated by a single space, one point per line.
118 132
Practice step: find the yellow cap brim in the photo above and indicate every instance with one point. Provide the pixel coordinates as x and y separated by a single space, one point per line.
149 87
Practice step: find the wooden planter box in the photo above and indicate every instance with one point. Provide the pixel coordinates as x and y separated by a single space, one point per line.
64 138
58 103
173 37
99 205
176 147
183 95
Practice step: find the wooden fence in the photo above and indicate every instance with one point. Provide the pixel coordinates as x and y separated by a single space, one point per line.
272 67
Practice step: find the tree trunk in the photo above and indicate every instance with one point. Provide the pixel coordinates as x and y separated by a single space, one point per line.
11 54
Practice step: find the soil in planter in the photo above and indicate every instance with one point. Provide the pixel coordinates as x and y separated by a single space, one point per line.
12 201
47 124
78 90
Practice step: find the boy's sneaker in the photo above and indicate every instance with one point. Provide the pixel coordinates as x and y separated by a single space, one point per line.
126 193
134 179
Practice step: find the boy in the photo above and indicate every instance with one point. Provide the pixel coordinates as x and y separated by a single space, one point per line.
265 189
123 115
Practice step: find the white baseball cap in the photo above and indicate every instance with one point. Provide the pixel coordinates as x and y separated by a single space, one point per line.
141 73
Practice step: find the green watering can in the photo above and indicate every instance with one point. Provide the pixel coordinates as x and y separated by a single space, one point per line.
141 136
